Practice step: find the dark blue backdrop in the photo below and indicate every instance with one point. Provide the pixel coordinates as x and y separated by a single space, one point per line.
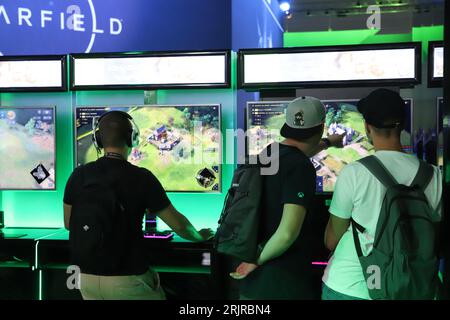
63 26
255 24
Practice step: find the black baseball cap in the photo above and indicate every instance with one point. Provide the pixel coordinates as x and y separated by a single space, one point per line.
383 108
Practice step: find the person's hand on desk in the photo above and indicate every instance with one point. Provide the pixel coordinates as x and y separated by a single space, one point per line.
243 270
206 234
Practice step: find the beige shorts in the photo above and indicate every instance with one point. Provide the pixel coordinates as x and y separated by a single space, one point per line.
136 287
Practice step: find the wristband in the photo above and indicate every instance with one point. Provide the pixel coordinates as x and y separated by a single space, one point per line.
327 142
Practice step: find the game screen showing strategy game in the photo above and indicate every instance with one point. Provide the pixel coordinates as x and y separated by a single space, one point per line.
27 148
180 144
265 119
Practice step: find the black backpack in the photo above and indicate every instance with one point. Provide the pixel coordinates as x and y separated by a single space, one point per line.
238 232
97 222
404 262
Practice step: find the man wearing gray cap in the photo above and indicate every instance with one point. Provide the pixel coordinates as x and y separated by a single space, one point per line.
283 270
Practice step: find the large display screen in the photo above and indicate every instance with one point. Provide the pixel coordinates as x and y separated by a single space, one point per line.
265 119
328 66
157 71
27 148
31 74
179 144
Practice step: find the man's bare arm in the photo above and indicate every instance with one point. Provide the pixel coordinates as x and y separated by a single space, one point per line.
336 228
286 233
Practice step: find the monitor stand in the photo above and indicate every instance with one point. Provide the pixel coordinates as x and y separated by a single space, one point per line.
151 230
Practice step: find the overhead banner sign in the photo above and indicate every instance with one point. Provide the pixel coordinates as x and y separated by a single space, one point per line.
150 70
33 73
330 66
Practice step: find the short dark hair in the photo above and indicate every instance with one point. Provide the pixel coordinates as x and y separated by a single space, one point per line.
301 135
114 130
388 132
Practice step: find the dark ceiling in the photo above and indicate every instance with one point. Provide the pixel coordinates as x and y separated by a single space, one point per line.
349 4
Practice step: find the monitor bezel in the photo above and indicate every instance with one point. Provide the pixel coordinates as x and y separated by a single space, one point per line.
411 118
221 153
60 58
417 46
438 99
433 82
124 55
438 107
53 107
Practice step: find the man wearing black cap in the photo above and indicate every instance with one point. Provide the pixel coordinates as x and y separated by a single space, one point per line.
358 195
283 270
135 190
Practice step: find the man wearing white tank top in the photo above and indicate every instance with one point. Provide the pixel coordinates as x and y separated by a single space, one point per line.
359 195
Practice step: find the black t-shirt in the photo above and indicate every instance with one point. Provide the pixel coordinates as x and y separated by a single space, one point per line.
288 276
139 190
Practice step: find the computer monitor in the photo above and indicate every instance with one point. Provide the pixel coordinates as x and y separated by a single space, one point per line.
179 144
27 148
265 119
435 63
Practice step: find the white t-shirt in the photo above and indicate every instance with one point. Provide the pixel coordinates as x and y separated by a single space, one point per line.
359 195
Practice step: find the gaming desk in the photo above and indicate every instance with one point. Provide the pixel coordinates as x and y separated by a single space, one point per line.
19 278
187 269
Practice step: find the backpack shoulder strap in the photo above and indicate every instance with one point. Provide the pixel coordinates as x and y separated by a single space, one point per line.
355 228
423 176
377 168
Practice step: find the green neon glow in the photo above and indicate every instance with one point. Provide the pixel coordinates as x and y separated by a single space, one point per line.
42 208
36 254
325 38
344 37
363 36
40 285
425 34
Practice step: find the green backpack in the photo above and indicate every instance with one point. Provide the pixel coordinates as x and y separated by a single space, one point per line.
404 262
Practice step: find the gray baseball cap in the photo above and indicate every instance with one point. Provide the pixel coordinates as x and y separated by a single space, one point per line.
303 116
